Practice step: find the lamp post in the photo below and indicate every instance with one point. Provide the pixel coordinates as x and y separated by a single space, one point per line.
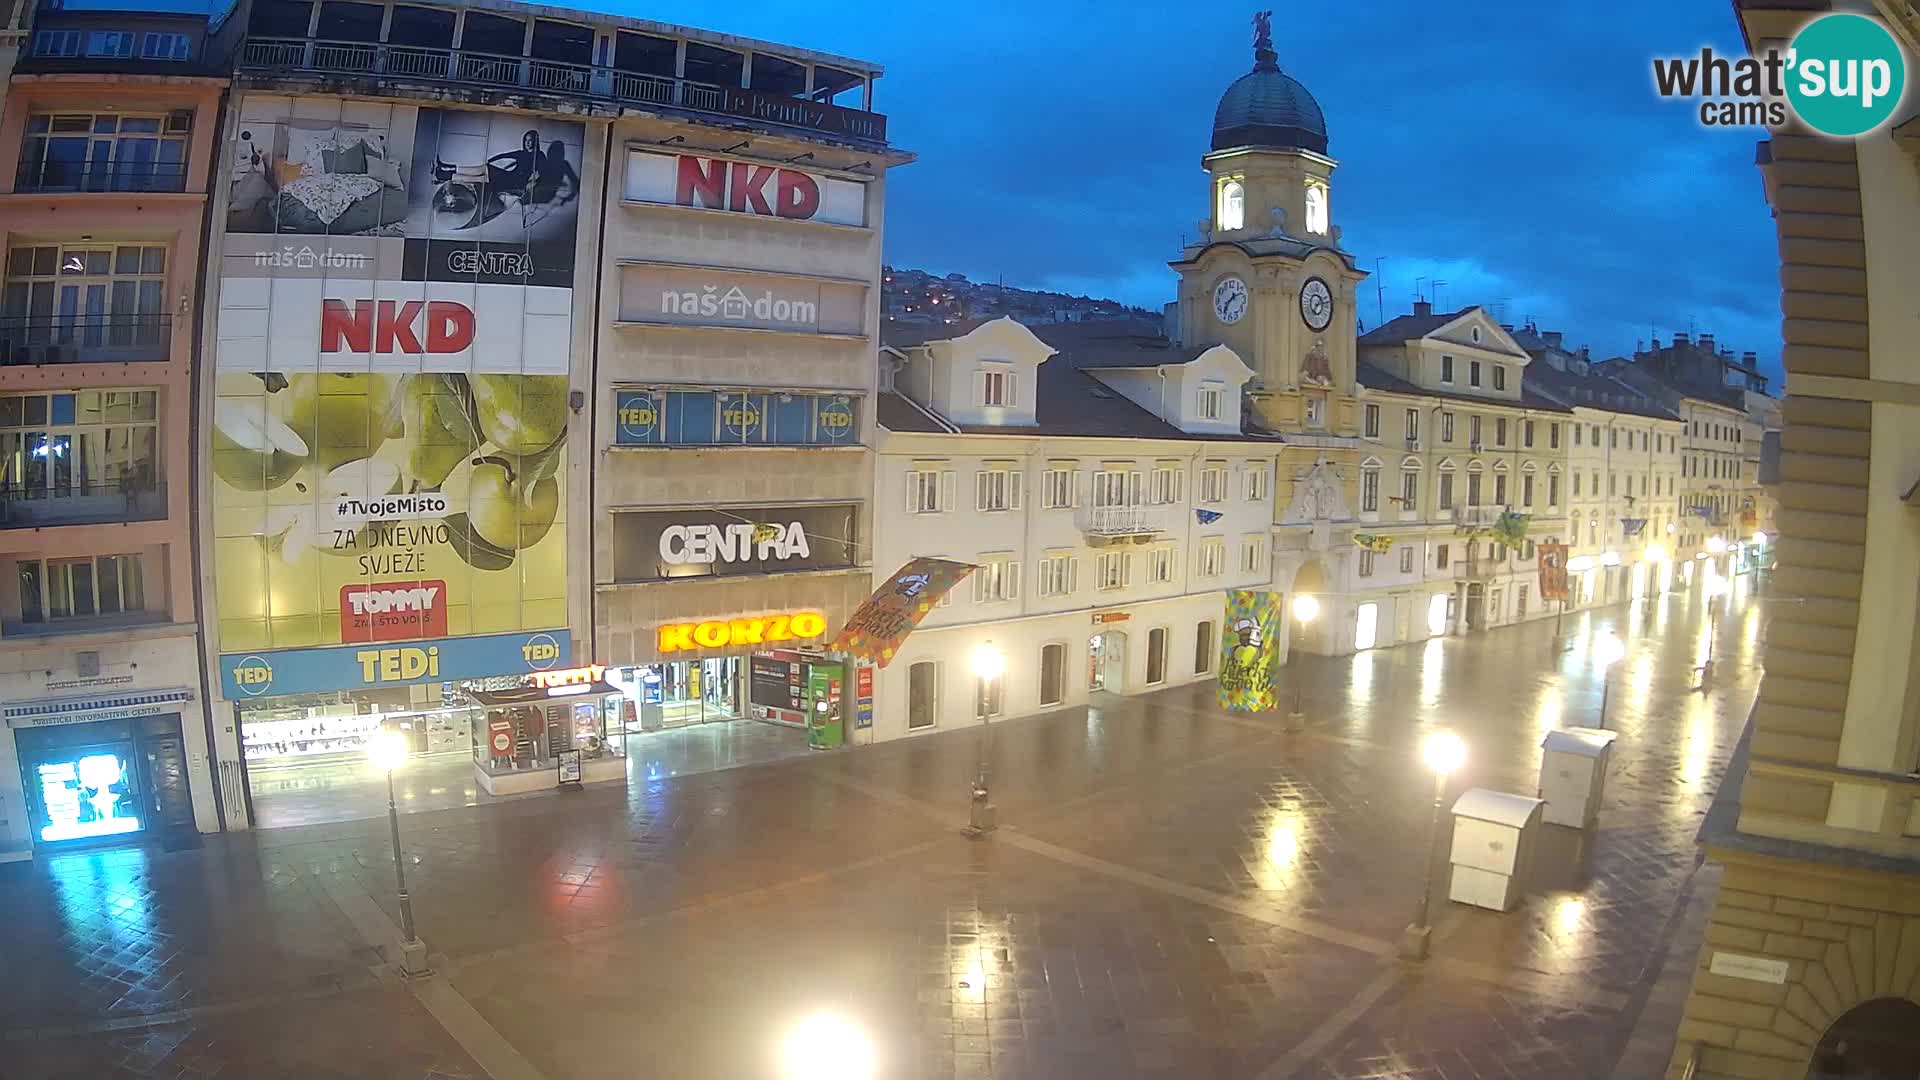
1444 753
388 751
988 664
1305 608
1607 651
1716 592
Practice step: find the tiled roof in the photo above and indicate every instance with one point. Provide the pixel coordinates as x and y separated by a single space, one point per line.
1403 328
900 334
1113 343
896 413
1591 391
1375 378
1069 402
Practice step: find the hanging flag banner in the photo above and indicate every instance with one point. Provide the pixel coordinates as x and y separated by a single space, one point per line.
1247 649
1206 517
1632 527
1705 513
1373 542
1553 571
875 631
1511 529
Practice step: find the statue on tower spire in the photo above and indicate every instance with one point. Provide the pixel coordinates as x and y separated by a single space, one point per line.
1264 58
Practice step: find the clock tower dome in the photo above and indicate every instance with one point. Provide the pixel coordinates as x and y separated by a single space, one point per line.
1267 276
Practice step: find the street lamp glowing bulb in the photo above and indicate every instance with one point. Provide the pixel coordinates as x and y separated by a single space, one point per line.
1444 752
387 750
1716 544
987 661
1655 553
827 1047
1305 607
1608 649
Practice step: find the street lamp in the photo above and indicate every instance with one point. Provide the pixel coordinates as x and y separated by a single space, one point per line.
1305 608
388 751
1607 651
1716 591
1444 753
988 664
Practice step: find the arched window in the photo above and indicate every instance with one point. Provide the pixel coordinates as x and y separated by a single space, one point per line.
1233 205
1316 209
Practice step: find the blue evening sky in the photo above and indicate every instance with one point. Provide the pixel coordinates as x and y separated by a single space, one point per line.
1514 150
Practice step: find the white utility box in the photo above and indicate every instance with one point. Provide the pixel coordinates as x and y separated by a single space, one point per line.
1573 774
1492 848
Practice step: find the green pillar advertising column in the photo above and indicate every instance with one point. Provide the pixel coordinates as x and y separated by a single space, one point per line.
826 685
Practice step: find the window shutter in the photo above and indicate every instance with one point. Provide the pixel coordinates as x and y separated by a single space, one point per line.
1012 589
1073 574
1179 484
1135 485
982 488
1013 389
946 490
1073 488
913 492
980 387
1015 481
980 575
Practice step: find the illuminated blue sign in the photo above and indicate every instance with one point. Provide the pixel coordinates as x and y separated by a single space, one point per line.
735 418
356 667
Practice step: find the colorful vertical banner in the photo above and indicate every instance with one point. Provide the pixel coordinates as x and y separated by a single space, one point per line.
1247 649
876 630
1553 571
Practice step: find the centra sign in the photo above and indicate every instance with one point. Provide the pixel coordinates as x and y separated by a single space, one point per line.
754 630
733 543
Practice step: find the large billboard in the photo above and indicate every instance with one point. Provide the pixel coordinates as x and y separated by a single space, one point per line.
388 447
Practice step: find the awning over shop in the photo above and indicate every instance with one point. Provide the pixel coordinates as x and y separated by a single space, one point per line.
540 695
87 708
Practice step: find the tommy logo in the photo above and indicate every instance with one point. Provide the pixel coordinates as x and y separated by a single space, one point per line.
393 611
389 326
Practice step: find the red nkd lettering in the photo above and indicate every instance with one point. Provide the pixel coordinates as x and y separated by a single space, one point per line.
389 326
796 195
701 182
748 190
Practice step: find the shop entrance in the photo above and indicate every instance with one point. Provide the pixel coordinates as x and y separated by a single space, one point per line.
105 781
683 692
306 755
1107 661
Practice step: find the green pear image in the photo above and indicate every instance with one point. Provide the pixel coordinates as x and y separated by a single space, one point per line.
439 428
342 417
253 450
521 414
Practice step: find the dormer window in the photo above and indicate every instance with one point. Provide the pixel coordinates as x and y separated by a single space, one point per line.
1233 206
1316 209
1208 407
996 387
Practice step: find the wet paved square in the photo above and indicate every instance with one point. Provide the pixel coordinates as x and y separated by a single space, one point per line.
1174 892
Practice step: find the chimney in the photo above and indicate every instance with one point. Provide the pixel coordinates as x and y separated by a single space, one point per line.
1423 307
1749 358
1706 342
1552 338
1679 339
1586 354
1507 326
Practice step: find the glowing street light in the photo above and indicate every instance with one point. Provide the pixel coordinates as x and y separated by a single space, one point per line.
1655 553
1306 607
827 1047
387 751
1444 753
988 664
1717 544
1607 651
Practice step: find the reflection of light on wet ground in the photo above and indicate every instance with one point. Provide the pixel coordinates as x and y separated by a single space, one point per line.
1285 841
1547 715
827 1046
1569 915
1431 659
1362 692
113 882
1696 749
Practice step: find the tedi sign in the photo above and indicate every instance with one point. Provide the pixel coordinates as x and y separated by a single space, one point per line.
681 544
743 187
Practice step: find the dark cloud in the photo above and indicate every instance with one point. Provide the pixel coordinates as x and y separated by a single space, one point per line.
1516 151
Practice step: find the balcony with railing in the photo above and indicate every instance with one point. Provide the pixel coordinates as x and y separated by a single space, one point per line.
53 177
477 68
1107 523
94 503
1477 517
85 339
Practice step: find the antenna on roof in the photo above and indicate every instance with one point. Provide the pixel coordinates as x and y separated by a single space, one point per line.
1436 292
1418 292
1379 290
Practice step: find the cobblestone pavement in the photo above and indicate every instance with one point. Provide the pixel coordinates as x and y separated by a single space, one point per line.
1174 891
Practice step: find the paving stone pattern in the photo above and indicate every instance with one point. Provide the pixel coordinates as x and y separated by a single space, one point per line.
1174 892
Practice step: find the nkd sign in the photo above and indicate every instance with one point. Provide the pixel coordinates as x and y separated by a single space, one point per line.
679 296
743 187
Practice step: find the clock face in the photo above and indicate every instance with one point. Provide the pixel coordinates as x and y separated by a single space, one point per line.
1316 304
1230 300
